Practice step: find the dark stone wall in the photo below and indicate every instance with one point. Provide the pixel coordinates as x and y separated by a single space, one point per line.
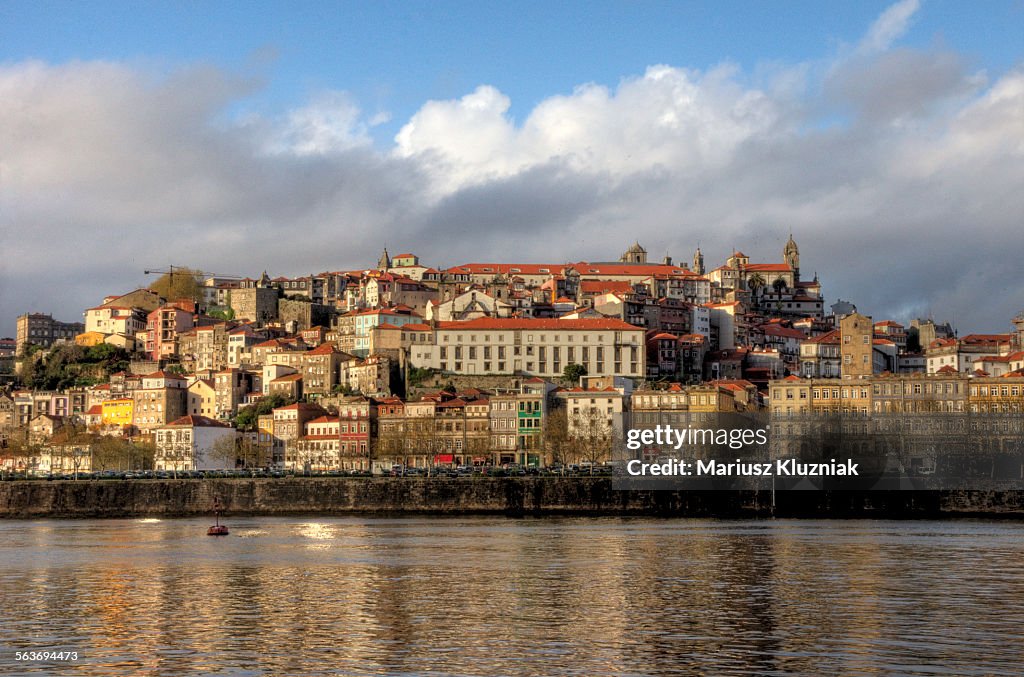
510 496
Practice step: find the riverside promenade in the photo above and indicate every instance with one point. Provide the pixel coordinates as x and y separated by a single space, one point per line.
522 496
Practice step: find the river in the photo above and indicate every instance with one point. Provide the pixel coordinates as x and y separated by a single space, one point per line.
502 596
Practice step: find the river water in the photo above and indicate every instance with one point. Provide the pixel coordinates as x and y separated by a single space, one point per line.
496 596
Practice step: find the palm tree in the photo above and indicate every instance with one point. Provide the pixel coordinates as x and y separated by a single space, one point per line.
754 283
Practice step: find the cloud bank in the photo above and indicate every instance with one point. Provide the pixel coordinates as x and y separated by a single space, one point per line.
899 172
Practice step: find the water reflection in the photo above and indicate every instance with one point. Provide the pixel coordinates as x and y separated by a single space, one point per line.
496 596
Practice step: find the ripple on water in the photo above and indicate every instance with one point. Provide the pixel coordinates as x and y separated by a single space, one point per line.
500 596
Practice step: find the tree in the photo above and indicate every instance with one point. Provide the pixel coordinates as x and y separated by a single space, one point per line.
573 372
248 417
754 283
117 453
180 283
417 375
252 453
224 452
557 444
779 285
593 435
226 314
20 454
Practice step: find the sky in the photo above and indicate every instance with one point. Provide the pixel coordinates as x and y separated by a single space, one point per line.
300 137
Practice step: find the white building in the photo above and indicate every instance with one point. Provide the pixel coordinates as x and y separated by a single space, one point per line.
539 347
469 305
191 443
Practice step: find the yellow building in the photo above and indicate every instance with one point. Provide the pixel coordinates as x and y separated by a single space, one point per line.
118 412
89 339
793 395
996 395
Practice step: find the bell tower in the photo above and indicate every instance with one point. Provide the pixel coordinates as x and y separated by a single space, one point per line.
698 261
791 255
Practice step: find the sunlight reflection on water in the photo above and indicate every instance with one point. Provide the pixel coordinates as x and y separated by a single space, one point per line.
488 595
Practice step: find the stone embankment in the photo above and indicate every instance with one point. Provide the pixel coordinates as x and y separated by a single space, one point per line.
509 496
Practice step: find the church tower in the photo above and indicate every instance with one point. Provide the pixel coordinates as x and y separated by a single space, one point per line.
635 254
698 261
791 255
384 262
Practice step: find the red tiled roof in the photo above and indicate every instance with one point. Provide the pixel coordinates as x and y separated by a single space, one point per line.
768 268
194 421
630 269
828 337
506 268
540 324
784 332
604 286
164 374
323 419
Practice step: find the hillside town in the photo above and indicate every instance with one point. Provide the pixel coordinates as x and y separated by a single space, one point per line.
510 366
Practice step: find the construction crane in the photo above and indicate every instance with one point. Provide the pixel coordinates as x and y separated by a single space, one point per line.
202 273
171 271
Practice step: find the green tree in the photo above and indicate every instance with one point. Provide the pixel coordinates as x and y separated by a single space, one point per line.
754 283
573 372
418 375
180 283
248 417
225 314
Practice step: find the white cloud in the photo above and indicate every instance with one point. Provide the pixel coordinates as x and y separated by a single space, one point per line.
889 26
331 123
898 171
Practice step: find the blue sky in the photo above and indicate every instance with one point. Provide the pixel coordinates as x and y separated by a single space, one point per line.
300 137
393 56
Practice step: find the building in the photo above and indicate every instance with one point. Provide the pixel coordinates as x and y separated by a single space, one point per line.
795 396
42 330
162 398
194 443
856 334
118 412
163 326
820 356
962 353
357 423
288 426
537 347
470 305
202 398
319 448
